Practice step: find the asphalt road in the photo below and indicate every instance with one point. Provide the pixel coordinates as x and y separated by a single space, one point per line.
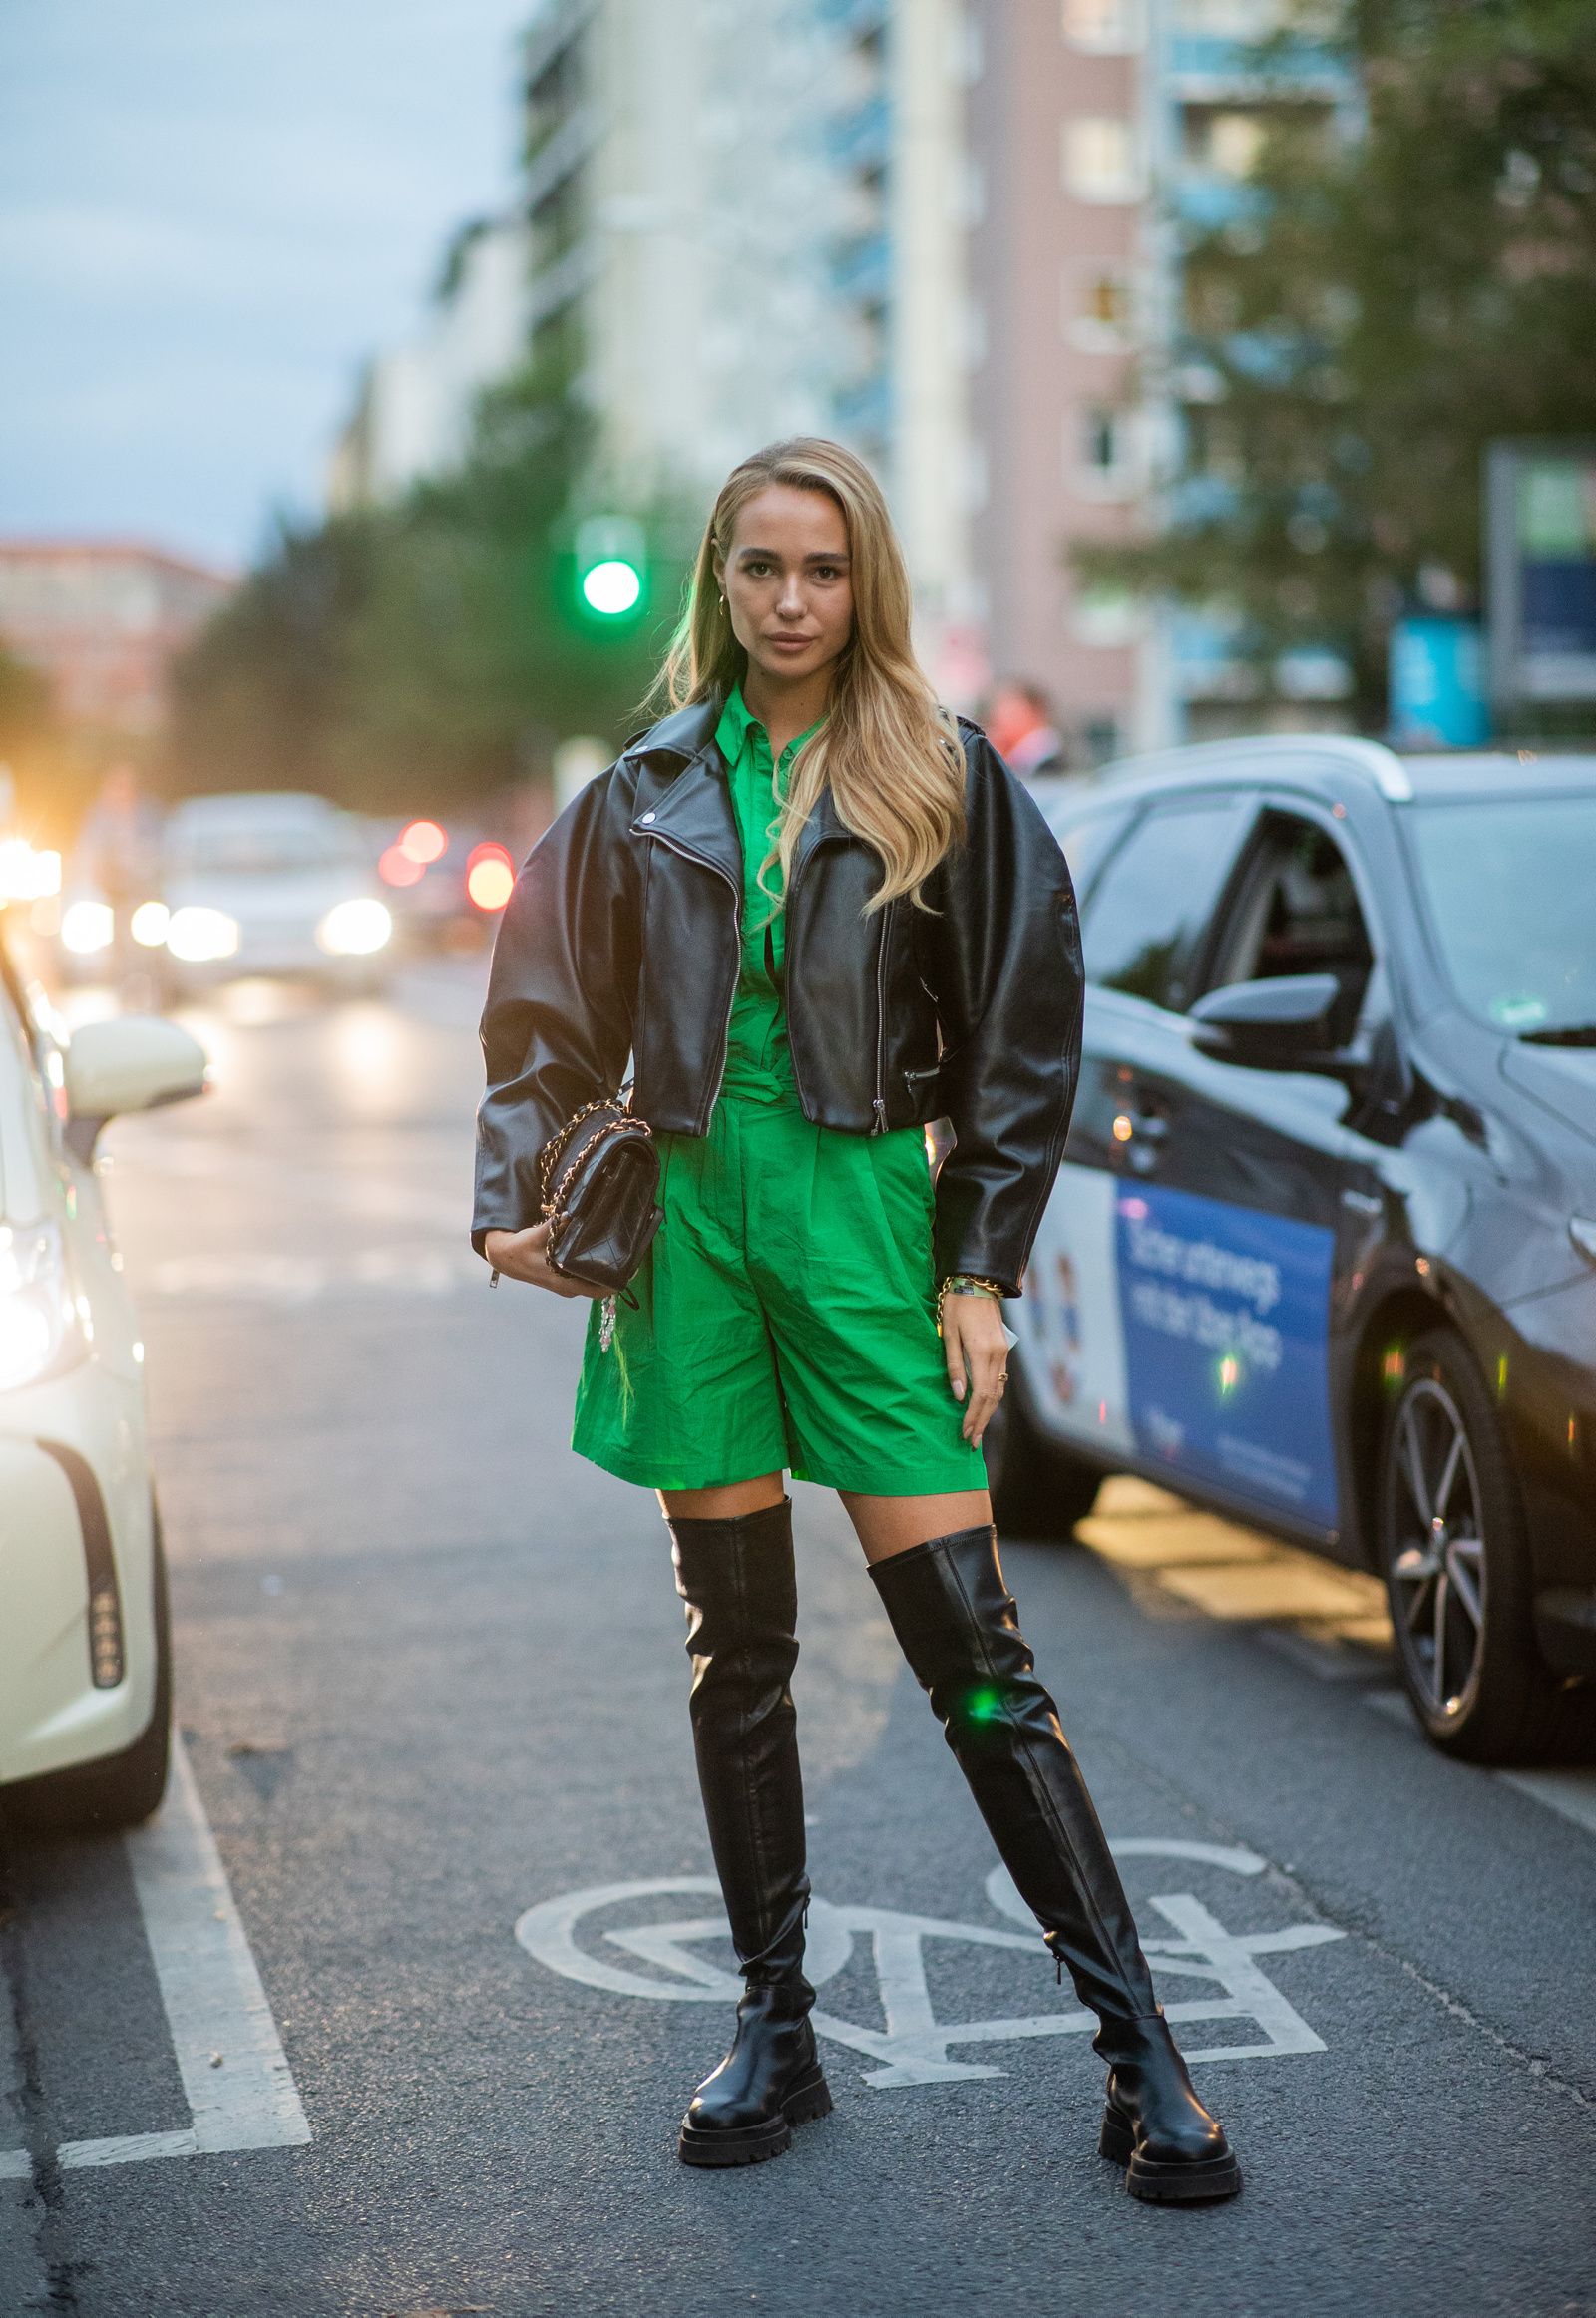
432 1695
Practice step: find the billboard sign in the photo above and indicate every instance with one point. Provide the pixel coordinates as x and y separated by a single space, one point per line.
1540 562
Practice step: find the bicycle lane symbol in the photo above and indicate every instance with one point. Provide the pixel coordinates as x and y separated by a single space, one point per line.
913 2046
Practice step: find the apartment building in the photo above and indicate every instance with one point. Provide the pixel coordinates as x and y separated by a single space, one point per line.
413 409
1099 130
104 619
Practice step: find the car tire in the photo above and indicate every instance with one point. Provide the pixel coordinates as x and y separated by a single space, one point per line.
122 1790
1037 1489
1454 1557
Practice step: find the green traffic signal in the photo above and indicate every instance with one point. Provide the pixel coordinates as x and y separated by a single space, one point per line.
612 587
611 566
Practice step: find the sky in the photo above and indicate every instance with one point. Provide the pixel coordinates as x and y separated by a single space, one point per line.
210 212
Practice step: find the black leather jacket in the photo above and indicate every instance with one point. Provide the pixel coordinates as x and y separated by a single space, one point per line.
622 939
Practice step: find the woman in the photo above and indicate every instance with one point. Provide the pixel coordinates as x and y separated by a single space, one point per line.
818 914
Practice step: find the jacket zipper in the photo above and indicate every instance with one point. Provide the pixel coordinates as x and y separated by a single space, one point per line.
688 852
879 1107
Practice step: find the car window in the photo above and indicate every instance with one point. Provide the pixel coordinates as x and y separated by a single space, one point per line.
1087 843
1509 883
1144 923
1296 912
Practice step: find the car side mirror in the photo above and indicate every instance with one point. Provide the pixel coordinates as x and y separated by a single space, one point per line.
1279 1025
134 1062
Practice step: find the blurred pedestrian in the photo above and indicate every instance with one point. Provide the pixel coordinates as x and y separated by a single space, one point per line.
1020 727
821 913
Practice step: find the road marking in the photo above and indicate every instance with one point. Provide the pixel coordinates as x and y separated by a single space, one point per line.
235 2076
913 2046
1334 1618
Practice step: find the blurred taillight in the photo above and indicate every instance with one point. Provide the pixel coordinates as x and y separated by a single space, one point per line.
490 877
424 842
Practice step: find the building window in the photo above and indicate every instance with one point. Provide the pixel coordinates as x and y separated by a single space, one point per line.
1249 20
1106 619
1222 143
1106 26
1098 305
1102 451
1100 157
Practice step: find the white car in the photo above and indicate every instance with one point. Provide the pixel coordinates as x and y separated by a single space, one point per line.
85 1649
281 883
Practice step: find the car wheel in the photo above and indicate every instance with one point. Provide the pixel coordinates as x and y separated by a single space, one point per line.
124 1788
1455 1561
1037 1489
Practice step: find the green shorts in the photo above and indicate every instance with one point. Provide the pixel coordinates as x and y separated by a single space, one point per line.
787 1317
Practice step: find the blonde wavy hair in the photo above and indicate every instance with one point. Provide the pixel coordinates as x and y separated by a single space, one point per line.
888 750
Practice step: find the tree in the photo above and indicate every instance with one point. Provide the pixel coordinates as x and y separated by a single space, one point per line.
1390 301
430 651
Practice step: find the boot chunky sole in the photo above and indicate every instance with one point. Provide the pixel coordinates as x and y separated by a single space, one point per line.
809 2100
1192 2181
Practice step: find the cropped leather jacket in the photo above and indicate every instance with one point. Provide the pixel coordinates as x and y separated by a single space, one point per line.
622 941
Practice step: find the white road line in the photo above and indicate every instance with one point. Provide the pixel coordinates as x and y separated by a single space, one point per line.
234 2072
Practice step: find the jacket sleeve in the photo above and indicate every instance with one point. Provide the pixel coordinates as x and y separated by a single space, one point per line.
557 1025
1004 968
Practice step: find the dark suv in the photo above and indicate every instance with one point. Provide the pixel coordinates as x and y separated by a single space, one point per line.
1322 1253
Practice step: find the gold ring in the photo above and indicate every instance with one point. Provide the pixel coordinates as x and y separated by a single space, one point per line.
1002 1375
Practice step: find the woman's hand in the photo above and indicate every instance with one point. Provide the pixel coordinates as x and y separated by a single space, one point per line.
973 1342
525 1255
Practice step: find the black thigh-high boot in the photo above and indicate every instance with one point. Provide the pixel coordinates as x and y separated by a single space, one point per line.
738 1582
957 1624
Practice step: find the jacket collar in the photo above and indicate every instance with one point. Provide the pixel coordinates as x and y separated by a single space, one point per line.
695 809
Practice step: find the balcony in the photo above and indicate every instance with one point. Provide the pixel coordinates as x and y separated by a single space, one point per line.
864 410
858 18
861 138
1208 202
1204 68
861 271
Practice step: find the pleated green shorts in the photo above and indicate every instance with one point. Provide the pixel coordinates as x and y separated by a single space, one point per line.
786 1317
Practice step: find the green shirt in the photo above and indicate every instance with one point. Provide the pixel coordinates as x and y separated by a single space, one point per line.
757 1060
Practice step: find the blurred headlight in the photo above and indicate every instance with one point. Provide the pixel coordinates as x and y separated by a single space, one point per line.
149 923
354 928
87 927
198 935
39 1332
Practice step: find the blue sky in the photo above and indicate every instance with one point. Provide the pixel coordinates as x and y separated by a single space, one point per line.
210 212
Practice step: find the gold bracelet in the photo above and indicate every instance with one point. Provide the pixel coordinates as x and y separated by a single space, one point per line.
967 1284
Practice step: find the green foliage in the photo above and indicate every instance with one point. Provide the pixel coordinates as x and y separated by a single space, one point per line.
1401 289
409 656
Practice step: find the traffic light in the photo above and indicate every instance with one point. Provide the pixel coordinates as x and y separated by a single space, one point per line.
611 567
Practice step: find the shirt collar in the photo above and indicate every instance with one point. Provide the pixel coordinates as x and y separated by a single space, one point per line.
737 720
731 733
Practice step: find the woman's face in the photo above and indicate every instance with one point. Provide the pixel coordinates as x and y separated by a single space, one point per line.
786 581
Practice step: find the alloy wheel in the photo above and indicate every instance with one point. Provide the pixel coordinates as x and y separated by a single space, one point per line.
1436 1547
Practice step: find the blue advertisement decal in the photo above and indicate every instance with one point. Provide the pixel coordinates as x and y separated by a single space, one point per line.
1226 1314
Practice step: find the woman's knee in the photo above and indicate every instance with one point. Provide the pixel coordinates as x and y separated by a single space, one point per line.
727 1503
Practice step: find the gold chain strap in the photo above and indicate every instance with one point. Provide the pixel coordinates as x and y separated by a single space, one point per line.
553 1202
